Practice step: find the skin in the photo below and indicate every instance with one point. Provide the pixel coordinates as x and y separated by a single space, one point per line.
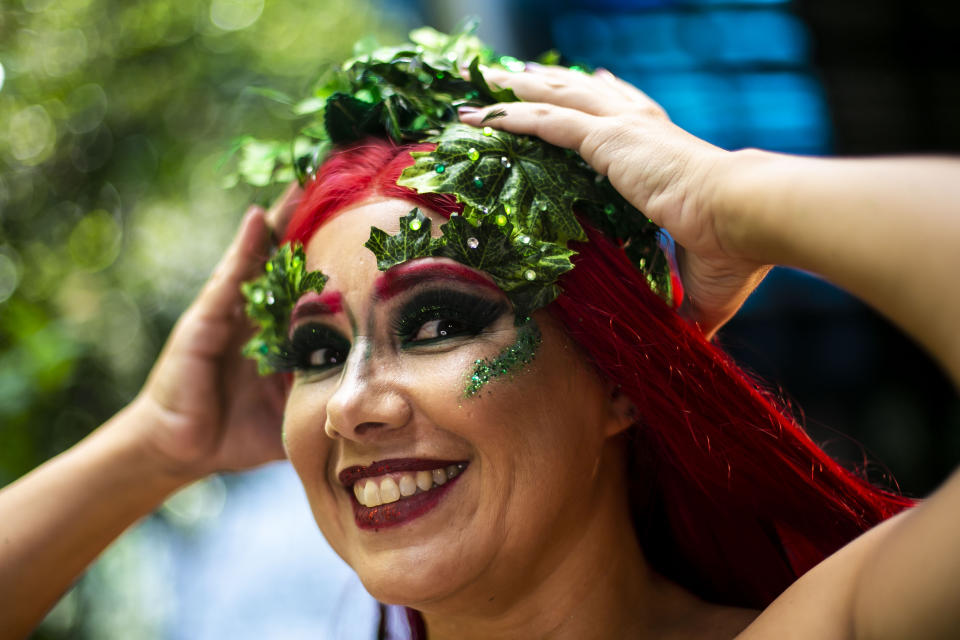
857 222
885 229
543 498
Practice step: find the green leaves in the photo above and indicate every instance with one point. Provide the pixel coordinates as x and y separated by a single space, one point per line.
407 93
412 242
521 196
526 269
537 184
270 299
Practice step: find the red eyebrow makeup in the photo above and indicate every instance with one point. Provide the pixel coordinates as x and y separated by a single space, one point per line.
407 275
317 304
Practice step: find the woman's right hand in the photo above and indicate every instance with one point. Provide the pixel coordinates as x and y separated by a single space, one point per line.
660 168
204 408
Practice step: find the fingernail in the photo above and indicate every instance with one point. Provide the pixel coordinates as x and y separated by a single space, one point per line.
533 66
466 110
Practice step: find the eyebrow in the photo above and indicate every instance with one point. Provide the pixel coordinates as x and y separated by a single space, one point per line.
317 304
408 275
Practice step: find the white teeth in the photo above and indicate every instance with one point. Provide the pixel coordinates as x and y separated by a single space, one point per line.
408 485
389 491
371 492
424 480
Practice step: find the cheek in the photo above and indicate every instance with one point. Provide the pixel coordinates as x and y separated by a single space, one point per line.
305 440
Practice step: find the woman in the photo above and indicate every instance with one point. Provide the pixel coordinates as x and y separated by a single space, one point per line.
533 535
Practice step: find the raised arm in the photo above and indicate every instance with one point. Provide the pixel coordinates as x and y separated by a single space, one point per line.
202 409
887 230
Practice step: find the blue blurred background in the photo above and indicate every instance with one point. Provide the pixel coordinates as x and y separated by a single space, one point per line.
113 118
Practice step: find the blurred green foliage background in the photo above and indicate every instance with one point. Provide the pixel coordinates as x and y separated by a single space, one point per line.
114 119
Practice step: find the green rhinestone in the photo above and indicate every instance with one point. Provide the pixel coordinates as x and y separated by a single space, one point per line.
501 220
524 239
487 131
258 296
530 274
512 64
415 224
268 267
441 75
477 182
473 154
264 349
609 209
296 262
440 168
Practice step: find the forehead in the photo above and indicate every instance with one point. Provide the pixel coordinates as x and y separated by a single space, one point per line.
337 248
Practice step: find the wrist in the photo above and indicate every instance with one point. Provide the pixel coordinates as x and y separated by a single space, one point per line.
734 197
136 429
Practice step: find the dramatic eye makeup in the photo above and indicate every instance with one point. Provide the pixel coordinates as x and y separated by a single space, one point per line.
314 347
435 315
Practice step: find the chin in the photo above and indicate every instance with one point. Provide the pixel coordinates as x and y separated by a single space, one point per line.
413 576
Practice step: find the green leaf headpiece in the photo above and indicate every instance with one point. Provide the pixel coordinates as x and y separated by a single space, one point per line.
519 194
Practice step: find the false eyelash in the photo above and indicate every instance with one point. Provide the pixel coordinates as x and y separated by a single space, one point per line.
306 339
474 312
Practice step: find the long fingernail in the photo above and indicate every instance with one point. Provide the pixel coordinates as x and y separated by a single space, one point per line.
466 110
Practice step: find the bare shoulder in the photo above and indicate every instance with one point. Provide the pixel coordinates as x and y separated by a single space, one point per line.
820 604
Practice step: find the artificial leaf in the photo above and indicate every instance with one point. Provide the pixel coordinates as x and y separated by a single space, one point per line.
496 95
485 247
346 118
411 242
270 299
533 182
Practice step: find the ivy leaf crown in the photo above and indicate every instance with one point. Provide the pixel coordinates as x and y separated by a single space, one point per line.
270 299
520 195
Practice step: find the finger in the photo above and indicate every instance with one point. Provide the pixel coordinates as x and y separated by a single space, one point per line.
557 125
629 92
278 217
564 88
242 260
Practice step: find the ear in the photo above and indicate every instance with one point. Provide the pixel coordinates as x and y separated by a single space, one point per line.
621 411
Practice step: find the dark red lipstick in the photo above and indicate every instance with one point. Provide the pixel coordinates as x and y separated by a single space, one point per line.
405 509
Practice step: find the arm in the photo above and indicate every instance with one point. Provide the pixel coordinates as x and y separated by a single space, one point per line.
58 518
898 580
202 409
887 230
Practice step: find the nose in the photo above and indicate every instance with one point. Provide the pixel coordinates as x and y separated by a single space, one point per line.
366 404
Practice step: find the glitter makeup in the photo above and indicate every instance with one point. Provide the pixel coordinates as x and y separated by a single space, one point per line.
507 361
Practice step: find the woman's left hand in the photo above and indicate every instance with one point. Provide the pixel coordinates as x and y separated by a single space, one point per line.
661 169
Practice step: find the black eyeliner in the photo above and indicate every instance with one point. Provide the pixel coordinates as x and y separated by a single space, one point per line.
307 339
473 312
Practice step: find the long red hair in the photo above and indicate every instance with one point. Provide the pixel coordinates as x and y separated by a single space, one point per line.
730 497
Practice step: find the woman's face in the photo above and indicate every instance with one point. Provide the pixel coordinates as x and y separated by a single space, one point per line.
430 495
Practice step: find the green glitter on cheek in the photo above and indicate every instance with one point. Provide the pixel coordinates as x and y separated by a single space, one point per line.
509 360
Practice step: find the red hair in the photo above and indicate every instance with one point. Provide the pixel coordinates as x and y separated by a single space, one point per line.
730 497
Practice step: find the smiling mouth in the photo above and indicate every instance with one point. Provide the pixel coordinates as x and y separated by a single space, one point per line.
393 492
